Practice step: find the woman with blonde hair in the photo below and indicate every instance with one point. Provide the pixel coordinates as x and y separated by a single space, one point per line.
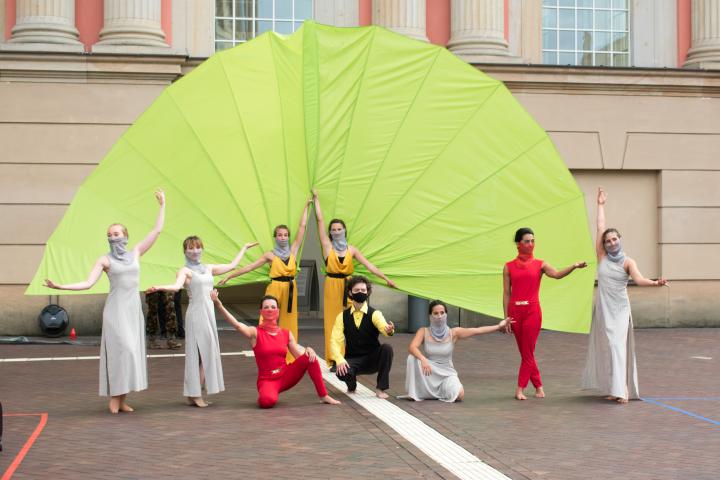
123 364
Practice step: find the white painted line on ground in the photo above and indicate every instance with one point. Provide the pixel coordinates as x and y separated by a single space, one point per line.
702 358
447 453
245 353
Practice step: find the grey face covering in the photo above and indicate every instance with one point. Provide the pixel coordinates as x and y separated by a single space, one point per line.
439 329
282 249
119 251
339 242
615 254
192 260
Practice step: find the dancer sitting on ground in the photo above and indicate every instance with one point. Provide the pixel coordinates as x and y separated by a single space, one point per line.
611 366
521 302
339 256
203 365
271 344
283 268
356 330
430 373
123 363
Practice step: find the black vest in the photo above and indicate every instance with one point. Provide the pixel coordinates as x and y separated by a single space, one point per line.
360 341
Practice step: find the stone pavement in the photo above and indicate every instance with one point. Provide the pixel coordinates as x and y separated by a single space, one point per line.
572 434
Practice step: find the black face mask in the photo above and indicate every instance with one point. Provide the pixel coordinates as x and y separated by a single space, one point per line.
359 297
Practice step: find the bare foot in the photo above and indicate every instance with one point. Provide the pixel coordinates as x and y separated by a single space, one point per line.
539 392
381 394
124 407
519 394
197 402
611 398
114 405
622 400
328 399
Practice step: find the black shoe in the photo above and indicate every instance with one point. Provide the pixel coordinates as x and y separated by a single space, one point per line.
351 384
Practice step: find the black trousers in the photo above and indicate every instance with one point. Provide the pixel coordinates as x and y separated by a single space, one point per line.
379 361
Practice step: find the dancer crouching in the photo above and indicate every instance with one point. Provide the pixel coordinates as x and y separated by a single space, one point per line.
270 343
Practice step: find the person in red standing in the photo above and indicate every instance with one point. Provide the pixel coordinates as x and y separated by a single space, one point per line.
270 343
521 303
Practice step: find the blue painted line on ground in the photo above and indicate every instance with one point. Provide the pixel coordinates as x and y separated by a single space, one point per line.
680 410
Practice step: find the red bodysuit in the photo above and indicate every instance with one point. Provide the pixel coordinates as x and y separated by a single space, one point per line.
524 308
274 375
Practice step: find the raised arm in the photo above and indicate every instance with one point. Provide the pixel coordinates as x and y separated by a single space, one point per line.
460 333
102 264
300 235
247 331
266 258
324 239
180 280
601 199
551 272
357 254
149 240
224 268
638 277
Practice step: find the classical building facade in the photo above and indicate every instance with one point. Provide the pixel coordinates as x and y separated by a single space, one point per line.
627 89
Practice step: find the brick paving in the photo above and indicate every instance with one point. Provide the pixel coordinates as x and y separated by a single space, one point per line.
572 434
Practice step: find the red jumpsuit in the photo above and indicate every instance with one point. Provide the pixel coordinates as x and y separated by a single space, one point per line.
274 375
524 308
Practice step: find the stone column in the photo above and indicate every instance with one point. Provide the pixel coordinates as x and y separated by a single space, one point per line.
131 23
705 47
477 31
46 25
406 17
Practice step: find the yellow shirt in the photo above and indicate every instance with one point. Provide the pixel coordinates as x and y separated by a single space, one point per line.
338 332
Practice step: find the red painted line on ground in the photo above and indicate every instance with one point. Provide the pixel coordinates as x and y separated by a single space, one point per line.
24 450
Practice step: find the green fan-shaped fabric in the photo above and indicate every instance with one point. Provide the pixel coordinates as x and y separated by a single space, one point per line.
432 164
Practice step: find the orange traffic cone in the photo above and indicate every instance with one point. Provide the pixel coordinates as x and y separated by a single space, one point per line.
73 335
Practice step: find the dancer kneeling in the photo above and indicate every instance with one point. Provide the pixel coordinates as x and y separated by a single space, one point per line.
270 343
356 329
430 373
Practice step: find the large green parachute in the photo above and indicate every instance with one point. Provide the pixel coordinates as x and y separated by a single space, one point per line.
432 164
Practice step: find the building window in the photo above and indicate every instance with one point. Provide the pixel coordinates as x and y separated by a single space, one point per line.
586 32
238 21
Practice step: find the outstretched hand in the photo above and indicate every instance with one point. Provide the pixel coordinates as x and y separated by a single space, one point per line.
662 282
249 245
580 265
601 196
391 284
50 284
314 194
505 325
223 281
151 290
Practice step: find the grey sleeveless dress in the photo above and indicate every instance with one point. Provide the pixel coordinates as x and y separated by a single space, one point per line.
123 363
201 338
443 383
611 364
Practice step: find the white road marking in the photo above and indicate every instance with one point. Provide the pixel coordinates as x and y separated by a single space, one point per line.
245 353
447 453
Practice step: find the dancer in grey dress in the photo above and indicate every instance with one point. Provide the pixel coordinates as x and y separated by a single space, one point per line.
203 365
430 373
123 363
611 365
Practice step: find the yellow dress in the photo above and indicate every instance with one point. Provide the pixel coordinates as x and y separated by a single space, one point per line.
334 294
282 278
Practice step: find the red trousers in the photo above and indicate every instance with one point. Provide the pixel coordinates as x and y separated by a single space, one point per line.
269 388
528 320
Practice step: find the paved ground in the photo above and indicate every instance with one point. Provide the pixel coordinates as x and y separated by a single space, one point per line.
569 435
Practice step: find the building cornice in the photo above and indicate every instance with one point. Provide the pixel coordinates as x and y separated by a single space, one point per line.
605 81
